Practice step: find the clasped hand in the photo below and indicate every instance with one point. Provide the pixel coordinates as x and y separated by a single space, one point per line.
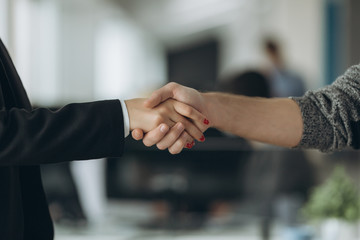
170 124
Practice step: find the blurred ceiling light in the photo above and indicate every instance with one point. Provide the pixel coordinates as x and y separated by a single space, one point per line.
208 14
176 18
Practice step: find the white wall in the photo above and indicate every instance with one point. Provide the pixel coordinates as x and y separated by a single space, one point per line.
4 12
32 43
60 58
20 39
76 34
129 62
43 49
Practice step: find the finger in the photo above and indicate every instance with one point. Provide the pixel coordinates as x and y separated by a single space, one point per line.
183 141
154 136
198 118
171 136
160 95
137 134
190 128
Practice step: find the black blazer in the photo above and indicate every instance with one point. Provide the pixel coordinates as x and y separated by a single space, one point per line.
29 137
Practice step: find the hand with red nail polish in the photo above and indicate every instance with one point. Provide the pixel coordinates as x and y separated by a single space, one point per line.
187 96
182 94
180 124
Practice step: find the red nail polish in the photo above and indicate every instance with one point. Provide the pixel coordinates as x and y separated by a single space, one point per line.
202 138
188 145
206 122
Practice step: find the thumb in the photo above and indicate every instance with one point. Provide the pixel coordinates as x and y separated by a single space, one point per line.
160 95
154 100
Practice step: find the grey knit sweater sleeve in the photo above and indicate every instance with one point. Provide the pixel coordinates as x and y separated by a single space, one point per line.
331 115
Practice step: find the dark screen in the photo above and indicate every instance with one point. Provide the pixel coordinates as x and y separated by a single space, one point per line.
195 66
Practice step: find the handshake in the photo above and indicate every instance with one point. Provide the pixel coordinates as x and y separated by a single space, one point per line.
173 117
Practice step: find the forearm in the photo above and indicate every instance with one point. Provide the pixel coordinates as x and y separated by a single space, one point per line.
327 119
75 132
276 121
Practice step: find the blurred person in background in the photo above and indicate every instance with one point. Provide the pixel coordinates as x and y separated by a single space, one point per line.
250 83
30 137
284 82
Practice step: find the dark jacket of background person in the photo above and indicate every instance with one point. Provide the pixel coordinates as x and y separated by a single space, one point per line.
30 137
283 82
250 83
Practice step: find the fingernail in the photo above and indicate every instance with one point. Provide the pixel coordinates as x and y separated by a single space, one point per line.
137 135
163 128
206 122
202 138
189 145
180 127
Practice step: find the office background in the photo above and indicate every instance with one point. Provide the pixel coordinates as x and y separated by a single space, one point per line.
84 50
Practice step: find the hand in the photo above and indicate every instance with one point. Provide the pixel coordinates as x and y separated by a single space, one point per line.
166 114
184 94
175 140
180 93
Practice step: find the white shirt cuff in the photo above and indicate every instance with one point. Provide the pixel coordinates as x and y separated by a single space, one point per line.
126 118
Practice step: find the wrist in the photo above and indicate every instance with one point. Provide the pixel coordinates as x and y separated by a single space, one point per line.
211 109
133 112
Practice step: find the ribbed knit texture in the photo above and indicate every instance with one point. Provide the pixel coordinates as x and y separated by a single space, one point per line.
331 115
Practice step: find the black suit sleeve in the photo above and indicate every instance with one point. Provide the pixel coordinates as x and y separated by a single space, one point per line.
75 132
